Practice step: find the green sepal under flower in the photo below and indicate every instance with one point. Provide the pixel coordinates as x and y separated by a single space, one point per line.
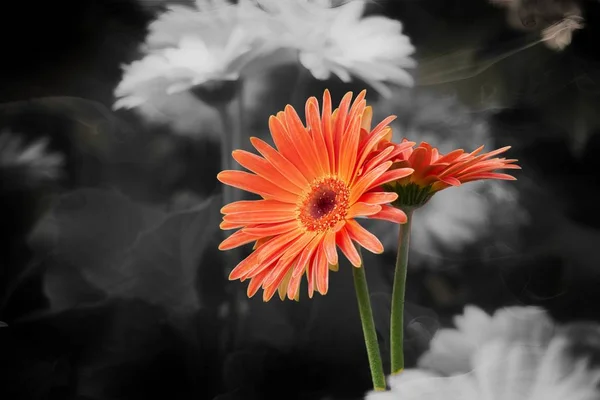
410 195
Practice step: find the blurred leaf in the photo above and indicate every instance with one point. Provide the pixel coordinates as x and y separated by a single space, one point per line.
95 123
123 349
162 265
3 324
122 249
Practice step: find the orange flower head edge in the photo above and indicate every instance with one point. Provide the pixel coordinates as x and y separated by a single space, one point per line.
434 171
314 184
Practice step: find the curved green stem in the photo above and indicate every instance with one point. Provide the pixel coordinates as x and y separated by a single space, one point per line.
398 294
368 325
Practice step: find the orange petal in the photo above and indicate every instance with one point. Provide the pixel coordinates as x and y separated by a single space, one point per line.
287 148
450 157
367 118
338 129
265 169
307 255
260 217
369 144
365 238
420 159
226 225
280 162
256 283
347 165
382 156
402 151
293 289
283 285
271 229
392 214
303 142
276 278
237 239
314 122
292 254
295 248
490 175
256 184
263 257
257 205
362 209
378 197
243 266
495 152
390 176
327 123
383 124
450 181
321 271
345 244
329 248
365 182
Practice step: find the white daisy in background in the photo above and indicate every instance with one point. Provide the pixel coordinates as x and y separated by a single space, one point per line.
339 40
451 349
34 159
457 218
187 47
504 371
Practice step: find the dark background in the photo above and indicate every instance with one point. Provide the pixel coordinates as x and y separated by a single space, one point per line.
110 280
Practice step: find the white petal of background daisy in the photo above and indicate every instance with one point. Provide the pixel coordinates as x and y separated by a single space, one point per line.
451 349
33 158
339 40
186 47
504 371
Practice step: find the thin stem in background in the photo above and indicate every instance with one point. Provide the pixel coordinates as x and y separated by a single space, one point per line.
368 326
231 114
398 298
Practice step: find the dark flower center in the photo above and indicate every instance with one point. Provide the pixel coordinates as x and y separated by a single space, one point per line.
322 203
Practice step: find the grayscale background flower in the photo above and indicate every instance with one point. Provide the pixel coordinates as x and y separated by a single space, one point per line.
335 38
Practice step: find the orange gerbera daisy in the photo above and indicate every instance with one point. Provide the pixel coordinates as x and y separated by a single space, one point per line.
434 171
313 187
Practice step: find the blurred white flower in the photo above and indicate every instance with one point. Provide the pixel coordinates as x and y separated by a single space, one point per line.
503 371
451 350
187 47
555 20
35 159
338 40
453 219
559 35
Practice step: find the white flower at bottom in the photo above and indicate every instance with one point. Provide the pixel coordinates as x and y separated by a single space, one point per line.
451 350
503 371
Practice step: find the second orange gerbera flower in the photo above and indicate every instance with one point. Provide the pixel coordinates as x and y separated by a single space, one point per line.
434 171
313 187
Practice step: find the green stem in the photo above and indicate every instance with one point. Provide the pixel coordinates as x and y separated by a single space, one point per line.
231 115
398 294
368 326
